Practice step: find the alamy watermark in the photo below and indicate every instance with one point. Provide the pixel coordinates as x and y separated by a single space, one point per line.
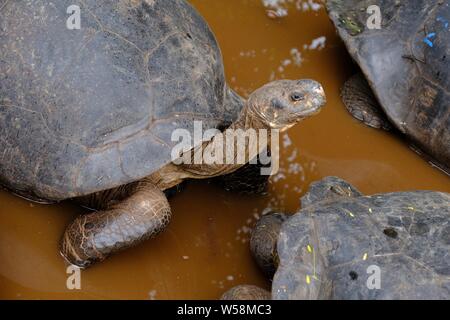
74 20
73 281
375 18
374 280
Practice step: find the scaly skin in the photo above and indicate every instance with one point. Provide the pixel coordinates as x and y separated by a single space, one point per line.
360 101
246 292
93 237
263 242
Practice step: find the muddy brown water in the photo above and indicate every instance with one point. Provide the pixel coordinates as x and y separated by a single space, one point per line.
205 249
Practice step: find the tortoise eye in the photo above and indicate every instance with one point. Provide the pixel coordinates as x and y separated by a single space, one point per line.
296 96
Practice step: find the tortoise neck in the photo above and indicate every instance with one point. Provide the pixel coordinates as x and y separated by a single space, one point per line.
239 114
246 121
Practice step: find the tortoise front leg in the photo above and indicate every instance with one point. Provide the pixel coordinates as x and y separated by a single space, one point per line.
91 238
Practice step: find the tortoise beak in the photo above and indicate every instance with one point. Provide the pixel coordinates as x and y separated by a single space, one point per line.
315 98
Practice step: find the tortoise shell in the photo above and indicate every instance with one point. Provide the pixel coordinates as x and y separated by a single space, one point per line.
89 109
341 240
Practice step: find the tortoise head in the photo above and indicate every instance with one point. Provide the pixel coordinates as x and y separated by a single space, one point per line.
283 103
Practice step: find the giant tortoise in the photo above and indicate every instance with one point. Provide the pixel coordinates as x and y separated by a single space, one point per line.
344 245
405 68
89 113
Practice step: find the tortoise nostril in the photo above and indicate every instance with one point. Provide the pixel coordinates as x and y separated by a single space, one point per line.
319 90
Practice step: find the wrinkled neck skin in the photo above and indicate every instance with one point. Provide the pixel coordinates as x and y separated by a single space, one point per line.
171 175
243 111
248 120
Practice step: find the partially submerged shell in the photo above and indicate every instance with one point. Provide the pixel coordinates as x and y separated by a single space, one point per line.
330 249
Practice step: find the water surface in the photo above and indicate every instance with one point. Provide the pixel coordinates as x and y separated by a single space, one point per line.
205 250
